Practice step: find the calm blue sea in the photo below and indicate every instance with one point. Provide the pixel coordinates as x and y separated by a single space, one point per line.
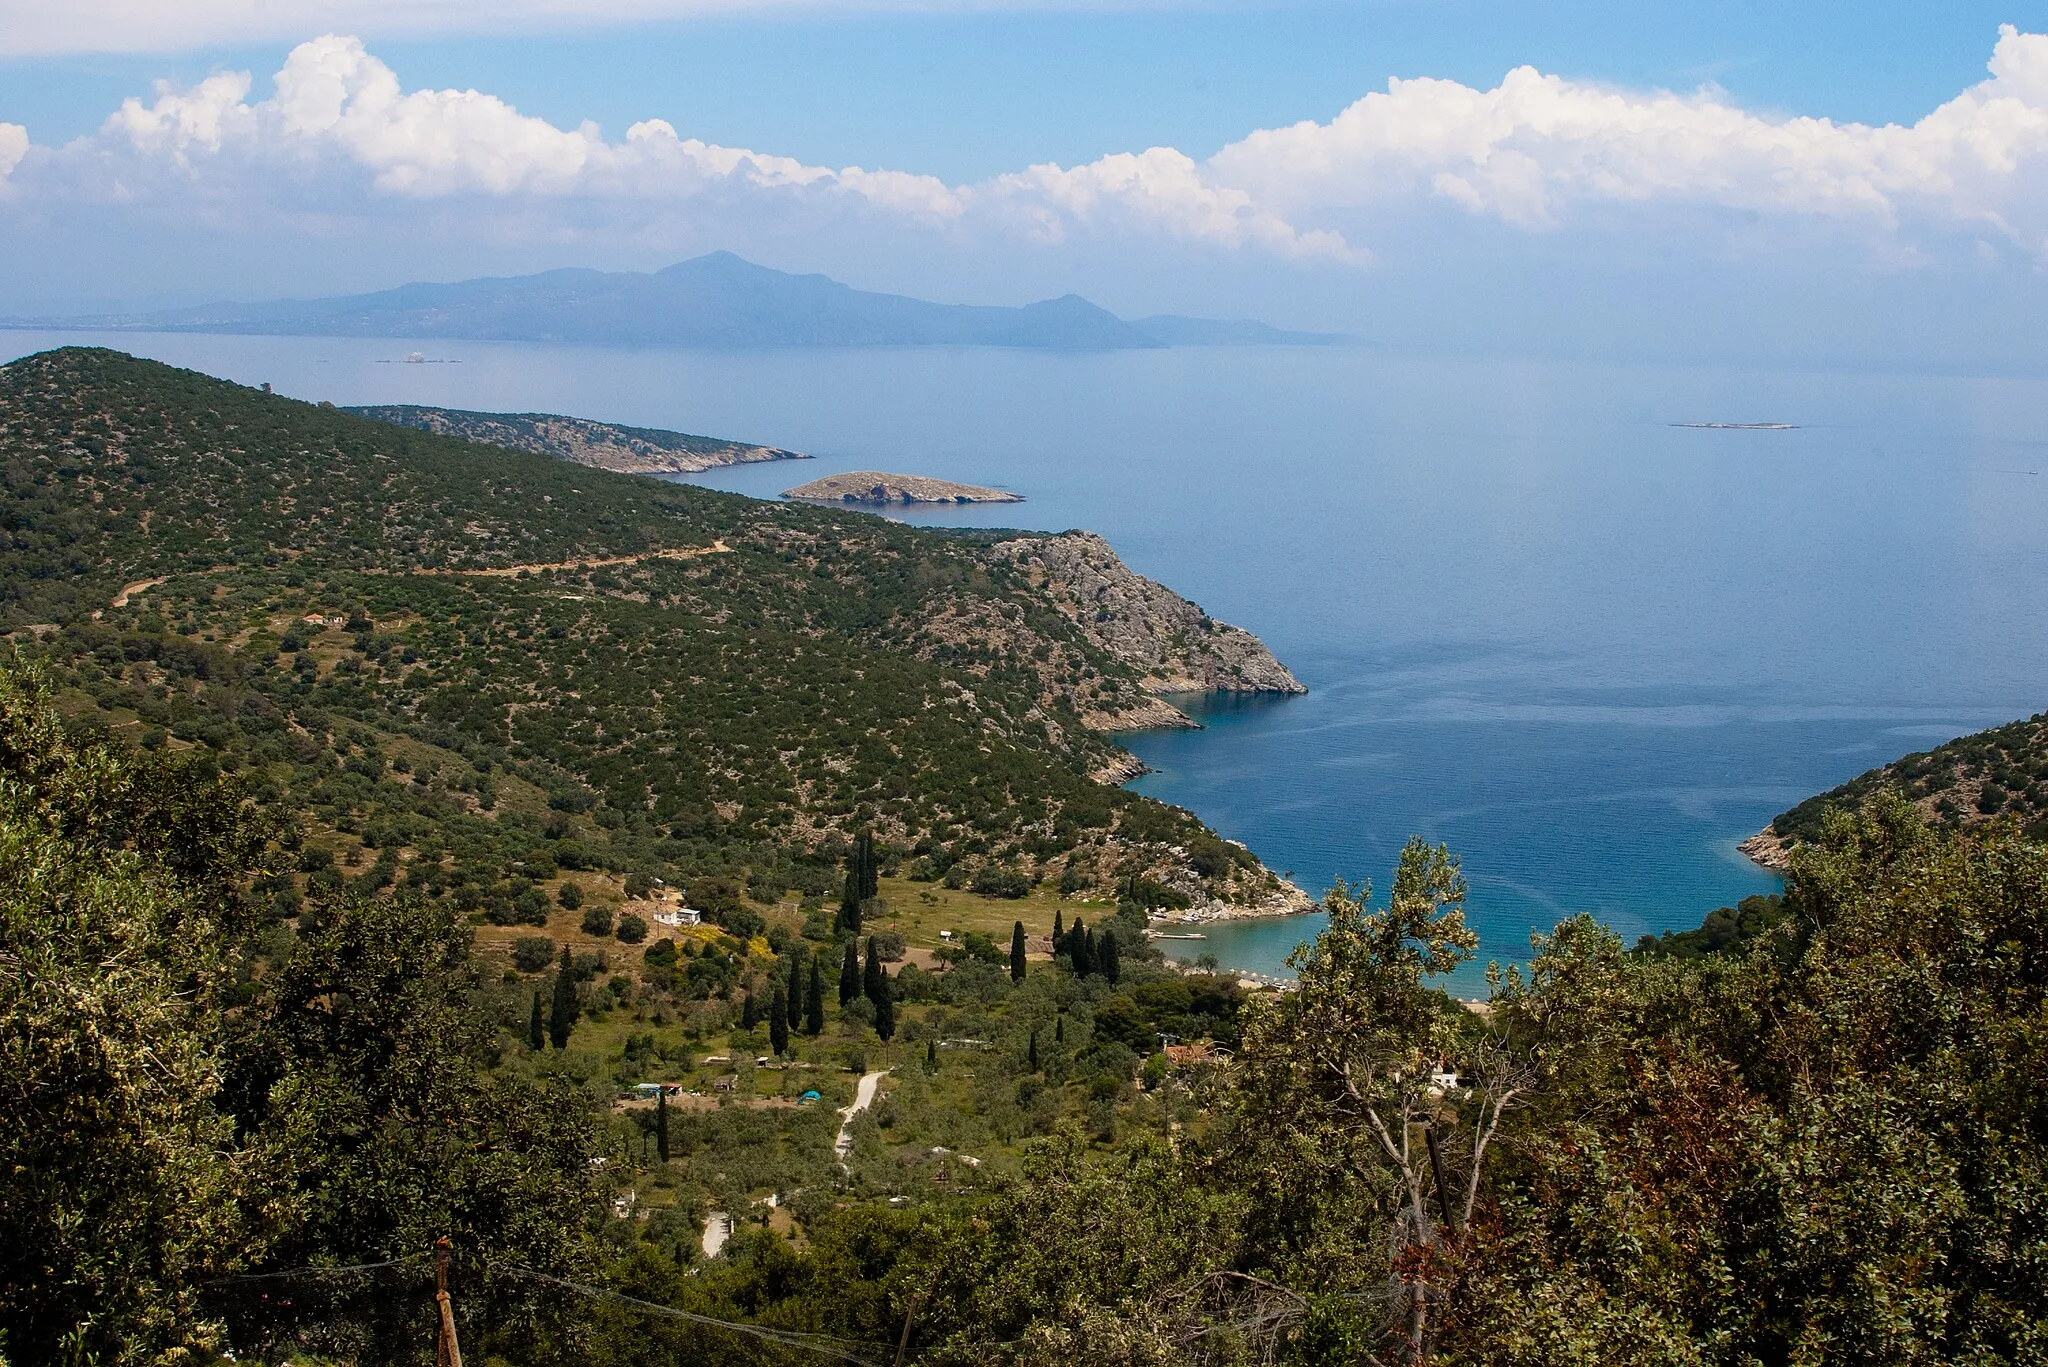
1588 647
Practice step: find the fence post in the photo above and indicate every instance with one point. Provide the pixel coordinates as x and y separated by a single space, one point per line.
447 1353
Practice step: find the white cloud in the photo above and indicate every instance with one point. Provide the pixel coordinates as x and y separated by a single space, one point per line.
13 147
341 136
1532 147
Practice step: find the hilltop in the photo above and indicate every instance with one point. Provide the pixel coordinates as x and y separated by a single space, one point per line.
1997 774
717 300
600 445
489 662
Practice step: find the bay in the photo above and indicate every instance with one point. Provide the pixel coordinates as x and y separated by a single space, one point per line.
1587 646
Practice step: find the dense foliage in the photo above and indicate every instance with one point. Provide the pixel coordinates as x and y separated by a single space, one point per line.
1997 774
254 1066
436 648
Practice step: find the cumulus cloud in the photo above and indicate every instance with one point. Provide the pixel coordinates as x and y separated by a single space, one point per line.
1532 147
13 147
340 134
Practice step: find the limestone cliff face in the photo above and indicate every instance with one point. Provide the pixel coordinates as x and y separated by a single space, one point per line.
1176 646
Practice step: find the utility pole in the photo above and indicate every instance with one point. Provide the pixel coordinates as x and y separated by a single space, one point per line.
447 1352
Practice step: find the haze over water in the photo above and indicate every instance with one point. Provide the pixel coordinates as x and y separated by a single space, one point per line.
1586 647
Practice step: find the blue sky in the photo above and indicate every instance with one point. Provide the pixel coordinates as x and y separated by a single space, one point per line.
970 95
1657 172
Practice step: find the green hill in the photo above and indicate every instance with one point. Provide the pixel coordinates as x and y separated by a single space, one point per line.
2000 773
488 664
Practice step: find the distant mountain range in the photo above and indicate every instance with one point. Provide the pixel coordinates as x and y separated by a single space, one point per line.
718 301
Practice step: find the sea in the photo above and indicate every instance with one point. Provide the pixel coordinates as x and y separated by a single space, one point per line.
1569 619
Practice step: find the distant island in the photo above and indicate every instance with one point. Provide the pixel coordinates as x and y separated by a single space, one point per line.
1740 426
600 445
872 486
714 301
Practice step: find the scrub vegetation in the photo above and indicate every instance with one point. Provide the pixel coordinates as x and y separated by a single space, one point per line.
325 939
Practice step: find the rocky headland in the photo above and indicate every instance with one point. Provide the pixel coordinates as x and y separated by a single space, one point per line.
872 486
1177 647
600 445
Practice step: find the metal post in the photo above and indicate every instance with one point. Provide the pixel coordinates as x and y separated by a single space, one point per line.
448 1353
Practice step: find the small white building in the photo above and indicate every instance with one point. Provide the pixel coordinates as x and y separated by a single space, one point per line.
678 916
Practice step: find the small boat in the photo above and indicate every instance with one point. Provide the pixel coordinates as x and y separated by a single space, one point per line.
417 358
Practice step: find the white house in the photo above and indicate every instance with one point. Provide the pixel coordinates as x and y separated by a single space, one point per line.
678 916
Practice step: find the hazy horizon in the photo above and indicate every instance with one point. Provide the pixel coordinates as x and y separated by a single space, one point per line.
1843 187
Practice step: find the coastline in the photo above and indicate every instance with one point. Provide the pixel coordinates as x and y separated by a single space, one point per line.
1768 850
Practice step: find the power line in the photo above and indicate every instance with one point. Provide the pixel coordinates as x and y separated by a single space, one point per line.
788 1338
319 1271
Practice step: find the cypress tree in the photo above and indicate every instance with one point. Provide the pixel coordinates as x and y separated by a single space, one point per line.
778 1022
1105 956
1017 953
885 1013
1059 929
863 874
1059 1029
874 983
1080 948
931 1056
563 1018
849 973
536 1028
814 1001
661 1123
796 988
750 1014
1031 1054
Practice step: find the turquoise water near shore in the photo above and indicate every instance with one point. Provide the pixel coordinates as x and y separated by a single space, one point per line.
1587 647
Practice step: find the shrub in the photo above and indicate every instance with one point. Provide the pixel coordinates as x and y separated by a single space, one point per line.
532 953
597 920
571 897
889 946
661 954
994 881
531 907
632 929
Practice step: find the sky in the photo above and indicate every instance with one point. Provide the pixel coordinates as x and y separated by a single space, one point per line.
1828 184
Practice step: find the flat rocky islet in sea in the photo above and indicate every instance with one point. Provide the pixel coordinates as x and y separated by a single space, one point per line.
873 486
1740 426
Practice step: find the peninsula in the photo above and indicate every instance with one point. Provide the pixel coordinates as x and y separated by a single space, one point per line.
600 445
1995 775
872 486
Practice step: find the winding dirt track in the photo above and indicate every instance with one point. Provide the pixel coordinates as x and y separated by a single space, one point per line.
120 600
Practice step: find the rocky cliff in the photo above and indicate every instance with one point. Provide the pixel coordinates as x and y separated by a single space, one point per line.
1176 646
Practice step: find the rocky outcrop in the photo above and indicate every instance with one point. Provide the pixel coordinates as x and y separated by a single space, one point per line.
872 486
600 445
1175 646
1769 849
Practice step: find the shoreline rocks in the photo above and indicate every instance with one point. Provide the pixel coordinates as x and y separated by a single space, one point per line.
1768 849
